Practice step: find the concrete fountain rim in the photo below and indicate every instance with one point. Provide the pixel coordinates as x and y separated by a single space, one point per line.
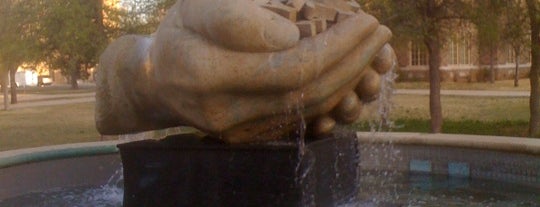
495 143
485 142
30 155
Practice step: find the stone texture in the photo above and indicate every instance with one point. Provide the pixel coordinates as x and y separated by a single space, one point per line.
307 28
320 25
313 10
287 12
297 4
341 5
240 81
343 15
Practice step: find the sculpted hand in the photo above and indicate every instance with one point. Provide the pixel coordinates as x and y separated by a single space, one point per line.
239 72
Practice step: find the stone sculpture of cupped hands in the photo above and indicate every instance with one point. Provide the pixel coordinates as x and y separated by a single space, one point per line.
240 73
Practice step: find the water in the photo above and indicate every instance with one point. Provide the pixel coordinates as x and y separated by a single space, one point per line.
377 189
70 197
435 191
385 103
108 195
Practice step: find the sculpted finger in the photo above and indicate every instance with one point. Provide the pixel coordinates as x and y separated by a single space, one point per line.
328 89
239 25
263 129
322 126
348 110
349 68
369 86
259 126
385 60
239 107
279 71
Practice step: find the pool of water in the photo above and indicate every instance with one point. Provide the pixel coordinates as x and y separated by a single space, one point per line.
101 196
109 195
376 189
433 191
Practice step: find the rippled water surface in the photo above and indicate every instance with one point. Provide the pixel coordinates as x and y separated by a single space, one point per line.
435 191
376 189
103 196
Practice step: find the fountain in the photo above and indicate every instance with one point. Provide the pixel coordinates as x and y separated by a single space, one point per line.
265 83
256 78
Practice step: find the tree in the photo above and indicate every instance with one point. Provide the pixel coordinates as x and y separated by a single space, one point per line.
72 36
428 21
136 17
533 11
515 34
3 70
498 23
4 85
487 18
75 32
18 40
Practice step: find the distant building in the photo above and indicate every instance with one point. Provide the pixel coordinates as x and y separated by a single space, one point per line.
25 78
37 75
461 61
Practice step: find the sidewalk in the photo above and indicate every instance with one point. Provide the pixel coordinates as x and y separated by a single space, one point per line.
478 93
37 100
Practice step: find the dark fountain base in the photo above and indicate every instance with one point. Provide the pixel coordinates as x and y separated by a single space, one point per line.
185 170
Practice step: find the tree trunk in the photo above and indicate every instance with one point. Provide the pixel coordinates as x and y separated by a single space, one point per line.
13 83
435 108
4 82
491 64
74 84
433 43
534 100
516 74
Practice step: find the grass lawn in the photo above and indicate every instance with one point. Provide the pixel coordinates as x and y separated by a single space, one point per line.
57 89
504 85
458 108
51 125
462 115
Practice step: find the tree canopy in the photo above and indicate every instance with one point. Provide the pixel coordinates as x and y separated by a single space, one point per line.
137 16
72 36
18 33
69 35
19 42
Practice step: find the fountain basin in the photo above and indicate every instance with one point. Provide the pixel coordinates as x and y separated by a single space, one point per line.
507 159
53 167
418 159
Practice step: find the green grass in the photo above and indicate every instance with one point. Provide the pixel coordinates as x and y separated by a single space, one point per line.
462 115
495 128
57 89
41 126
458 108
51 125
505 85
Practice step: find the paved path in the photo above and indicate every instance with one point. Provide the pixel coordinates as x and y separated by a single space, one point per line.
37 100
43 97
482 93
